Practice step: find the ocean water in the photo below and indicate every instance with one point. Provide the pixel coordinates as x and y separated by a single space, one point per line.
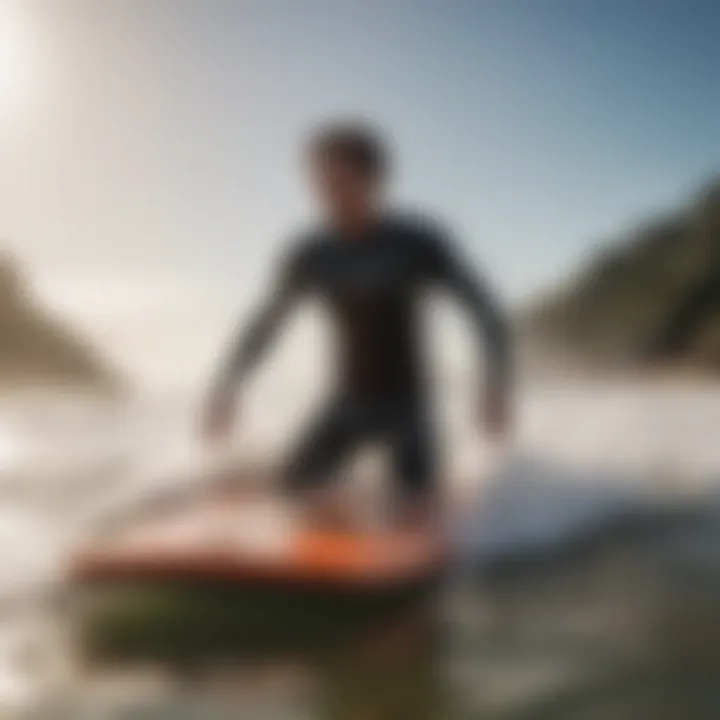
585 453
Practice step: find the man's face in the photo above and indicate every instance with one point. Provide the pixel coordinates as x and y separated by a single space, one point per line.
344 191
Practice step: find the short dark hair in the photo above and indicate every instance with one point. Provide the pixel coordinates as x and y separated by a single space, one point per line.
358 143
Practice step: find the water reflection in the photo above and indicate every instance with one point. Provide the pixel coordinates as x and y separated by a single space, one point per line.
197 654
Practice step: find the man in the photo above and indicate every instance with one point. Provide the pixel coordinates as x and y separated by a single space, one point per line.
372 269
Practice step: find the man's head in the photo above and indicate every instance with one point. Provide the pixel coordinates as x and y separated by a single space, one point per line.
349 166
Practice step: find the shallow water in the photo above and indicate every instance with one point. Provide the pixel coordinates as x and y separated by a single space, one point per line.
586 454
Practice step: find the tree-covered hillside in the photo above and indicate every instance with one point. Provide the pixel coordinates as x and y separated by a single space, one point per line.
651 297
37 348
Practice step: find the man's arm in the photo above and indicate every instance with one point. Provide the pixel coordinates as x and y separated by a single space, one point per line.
254 339
489 319
249 347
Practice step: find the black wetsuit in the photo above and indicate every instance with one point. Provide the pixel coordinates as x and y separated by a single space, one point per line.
375 287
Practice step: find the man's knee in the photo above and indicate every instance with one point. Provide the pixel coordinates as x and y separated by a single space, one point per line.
319 454
307 469
416 471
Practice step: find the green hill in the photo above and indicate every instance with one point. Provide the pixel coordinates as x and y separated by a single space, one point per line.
38 349
652 297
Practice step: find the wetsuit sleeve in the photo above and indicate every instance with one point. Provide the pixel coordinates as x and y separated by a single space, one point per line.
450 270
255 337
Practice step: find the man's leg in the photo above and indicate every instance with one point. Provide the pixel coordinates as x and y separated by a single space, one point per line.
323 448
415 467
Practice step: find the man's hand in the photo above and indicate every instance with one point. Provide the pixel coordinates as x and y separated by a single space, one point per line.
497 418
218 417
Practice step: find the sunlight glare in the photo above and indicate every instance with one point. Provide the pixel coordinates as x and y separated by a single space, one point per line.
14 58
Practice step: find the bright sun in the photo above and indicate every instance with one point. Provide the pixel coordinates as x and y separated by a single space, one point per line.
14 57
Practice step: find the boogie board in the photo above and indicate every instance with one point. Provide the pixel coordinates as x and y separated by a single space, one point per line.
258 542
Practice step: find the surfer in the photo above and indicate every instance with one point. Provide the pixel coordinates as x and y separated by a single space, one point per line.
372 268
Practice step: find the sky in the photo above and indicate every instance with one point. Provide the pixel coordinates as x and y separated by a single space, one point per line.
149 149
